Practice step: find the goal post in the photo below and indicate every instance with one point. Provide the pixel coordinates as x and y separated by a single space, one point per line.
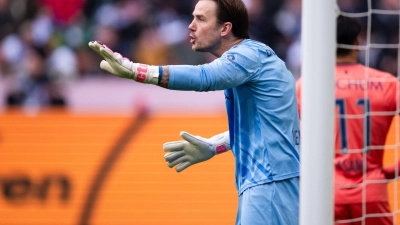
318 39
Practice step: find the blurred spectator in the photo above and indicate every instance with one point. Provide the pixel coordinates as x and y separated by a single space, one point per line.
6 20
354 6
12 50
288 22
386 30
42 28
59 30
32 87
262 24
62 64
150 48
63 12
126 17
108 35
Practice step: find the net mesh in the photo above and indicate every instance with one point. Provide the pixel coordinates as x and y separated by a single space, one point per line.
379 49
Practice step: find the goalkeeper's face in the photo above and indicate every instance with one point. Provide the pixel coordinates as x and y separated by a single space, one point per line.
204 29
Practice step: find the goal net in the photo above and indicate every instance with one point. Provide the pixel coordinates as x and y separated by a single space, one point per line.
379 49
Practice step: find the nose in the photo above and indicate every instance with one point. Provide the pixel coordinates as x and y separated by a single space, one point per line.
191 26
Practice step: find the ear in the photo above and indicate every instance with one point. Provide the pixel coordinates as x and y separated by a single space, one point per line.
226 28
357 43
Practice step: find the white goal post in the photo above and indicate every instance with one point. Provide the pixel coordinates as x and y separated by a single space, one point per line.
318 39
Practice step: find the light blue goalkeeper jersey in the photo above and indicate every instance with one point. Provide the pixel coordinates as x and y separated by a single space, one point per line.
262 110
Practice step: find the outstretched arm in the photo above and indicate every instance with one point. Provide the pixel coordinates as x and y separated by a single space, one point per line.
120 66
220 74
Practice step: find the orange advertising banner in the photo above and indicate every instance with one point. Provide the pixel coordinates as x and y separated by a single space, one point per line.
79 169
61 168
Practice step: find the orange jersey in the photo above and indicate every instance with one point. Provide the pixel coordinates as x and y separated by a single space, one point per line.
365 106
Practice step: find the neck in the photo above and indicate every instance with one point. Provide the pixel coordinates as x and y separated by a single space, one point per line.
346 59
238 41
226 47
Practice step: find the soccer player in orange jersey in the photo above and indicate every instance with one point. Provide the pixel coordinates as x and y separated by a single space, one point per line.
366 102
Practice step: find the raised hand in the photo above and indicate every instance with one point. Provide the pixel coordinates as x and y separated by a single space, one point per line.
121 66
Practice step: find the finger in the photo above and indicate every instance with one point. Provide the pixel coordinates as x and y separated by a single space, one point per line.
106 66
95 46
183 166
190 138
171 156
109 55
174 146
177 161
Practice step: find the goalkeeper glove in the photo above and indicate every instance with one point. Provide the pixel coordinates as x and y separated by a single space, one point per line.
194 149
120 66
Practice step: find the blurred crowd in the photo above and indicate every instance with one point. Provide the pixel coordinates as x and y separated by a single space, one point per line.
43 43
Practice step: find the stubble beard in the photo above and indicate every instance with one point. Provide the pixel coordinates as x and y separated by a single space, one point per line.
209 47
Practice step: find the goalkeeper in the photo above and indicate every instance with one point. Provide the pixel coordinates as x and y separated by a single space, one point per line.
261 106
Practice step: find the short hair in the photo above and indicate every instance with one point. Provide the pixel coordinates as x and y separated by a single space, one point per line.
347 31
235 12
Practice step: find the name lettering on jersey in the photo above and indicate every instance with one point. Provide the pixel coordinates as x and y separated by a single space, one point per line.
296 137
350 166
142 72
358 85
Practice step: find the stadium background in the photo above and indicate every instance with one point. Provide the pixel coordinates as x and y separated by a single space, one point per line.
79 146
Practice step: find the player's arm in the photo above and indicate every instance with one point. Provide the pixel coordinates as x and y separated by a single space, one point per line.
194 149
390 171
120 66
164 80
220 74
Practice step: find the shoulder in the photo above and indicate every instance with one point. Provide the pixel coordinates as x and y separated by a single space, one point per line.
249 51
381 74
371 72
250 48
359 71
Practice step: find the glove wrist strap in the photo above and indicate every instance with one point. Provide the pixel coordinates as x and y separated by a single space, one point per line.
144 73
221 142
